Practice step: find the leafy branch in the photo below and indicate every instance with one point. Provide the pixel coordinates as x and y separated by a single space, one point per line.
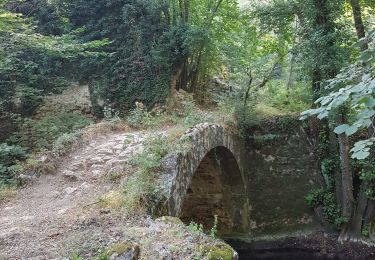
355 86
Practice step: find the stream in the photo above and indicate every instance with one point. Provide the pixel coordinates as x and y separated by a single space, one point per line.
288 254
277 250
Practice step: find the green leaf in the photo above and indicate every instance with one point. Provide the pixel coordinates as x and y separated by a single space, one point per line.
351 130
361 155
341 129
323 115
370 102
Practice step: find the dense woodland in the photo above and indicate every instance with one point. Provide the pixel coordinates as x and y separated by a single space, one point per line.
313 58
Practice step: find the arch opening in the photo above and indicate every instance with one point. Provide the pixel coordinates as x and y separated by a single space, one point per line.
217 188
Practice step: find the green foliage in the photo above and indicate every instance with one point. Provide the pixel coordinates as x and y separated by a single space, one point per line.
195 227
112 116
33 65
193 116
367 174
365 230
41 134
11 157
355 85
64 143
139 116
75 256
285 100
104 256
139 189
30 99
315 198
265 138
213 230
331 211
328 167
47 16
326 199
144 47
189 115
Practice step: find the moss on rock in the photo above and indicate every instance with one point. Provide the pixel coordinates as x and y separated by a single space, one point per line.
127 247
219 251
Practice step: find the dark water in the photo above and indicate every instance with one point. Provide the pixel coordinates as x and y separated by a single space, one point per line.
289 254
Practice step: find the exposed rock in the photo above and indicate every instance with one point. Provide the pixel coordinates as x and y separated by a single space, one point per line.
105 152
124 251
25 178
70 190
95 160
70 176
77 166
75 99
105 211
96 166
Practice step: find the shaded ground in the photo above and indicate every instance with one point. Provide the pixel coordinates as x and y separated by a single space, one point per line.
317 243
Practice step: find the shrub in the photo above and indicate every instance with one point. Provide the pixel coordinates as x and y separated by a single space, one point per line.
326 199
195 227
10 162
31 98
65 142
139 116
315 198
139 190
294 100
41 134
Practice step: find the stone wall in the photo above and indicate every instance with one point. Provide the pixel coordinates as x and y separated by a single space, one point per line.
281 173
179 168
75 99
256 185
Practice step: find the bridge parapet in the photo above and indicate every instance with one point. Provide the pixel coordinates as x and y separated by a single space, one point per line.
226 151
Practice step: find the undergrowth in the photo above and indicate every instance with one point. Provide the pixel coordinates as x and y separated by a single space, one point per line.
11 157
40 134
189 115
140 191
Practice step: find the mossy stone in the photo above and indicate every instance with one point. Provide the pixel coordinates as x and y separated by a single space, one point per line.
128 248
219 251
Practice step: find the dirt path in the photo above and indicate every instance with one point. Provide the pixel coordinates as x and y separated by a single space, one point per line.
58 212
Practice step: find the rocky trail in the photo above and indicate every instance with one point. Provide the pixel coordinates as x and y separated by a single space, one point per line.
58 212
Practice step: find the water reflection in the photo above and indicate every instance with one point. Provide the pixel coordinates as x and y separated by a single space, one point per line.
289 254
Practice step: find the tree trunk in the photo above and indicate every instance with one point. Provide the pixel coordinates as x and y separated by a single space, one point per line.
358 215
290 79
365 212
370 219
192 66
359 27
347 183
174 86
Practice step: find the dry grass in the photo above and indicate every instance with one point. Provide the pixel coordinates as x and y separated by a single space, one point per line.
7 192
105 127
113 200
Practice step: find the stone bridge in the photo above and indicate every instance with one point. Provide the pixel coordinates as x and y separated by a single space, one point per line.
209 179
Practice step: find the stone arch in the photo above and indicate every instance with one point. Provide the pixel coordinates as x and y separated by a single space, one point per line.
215 158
